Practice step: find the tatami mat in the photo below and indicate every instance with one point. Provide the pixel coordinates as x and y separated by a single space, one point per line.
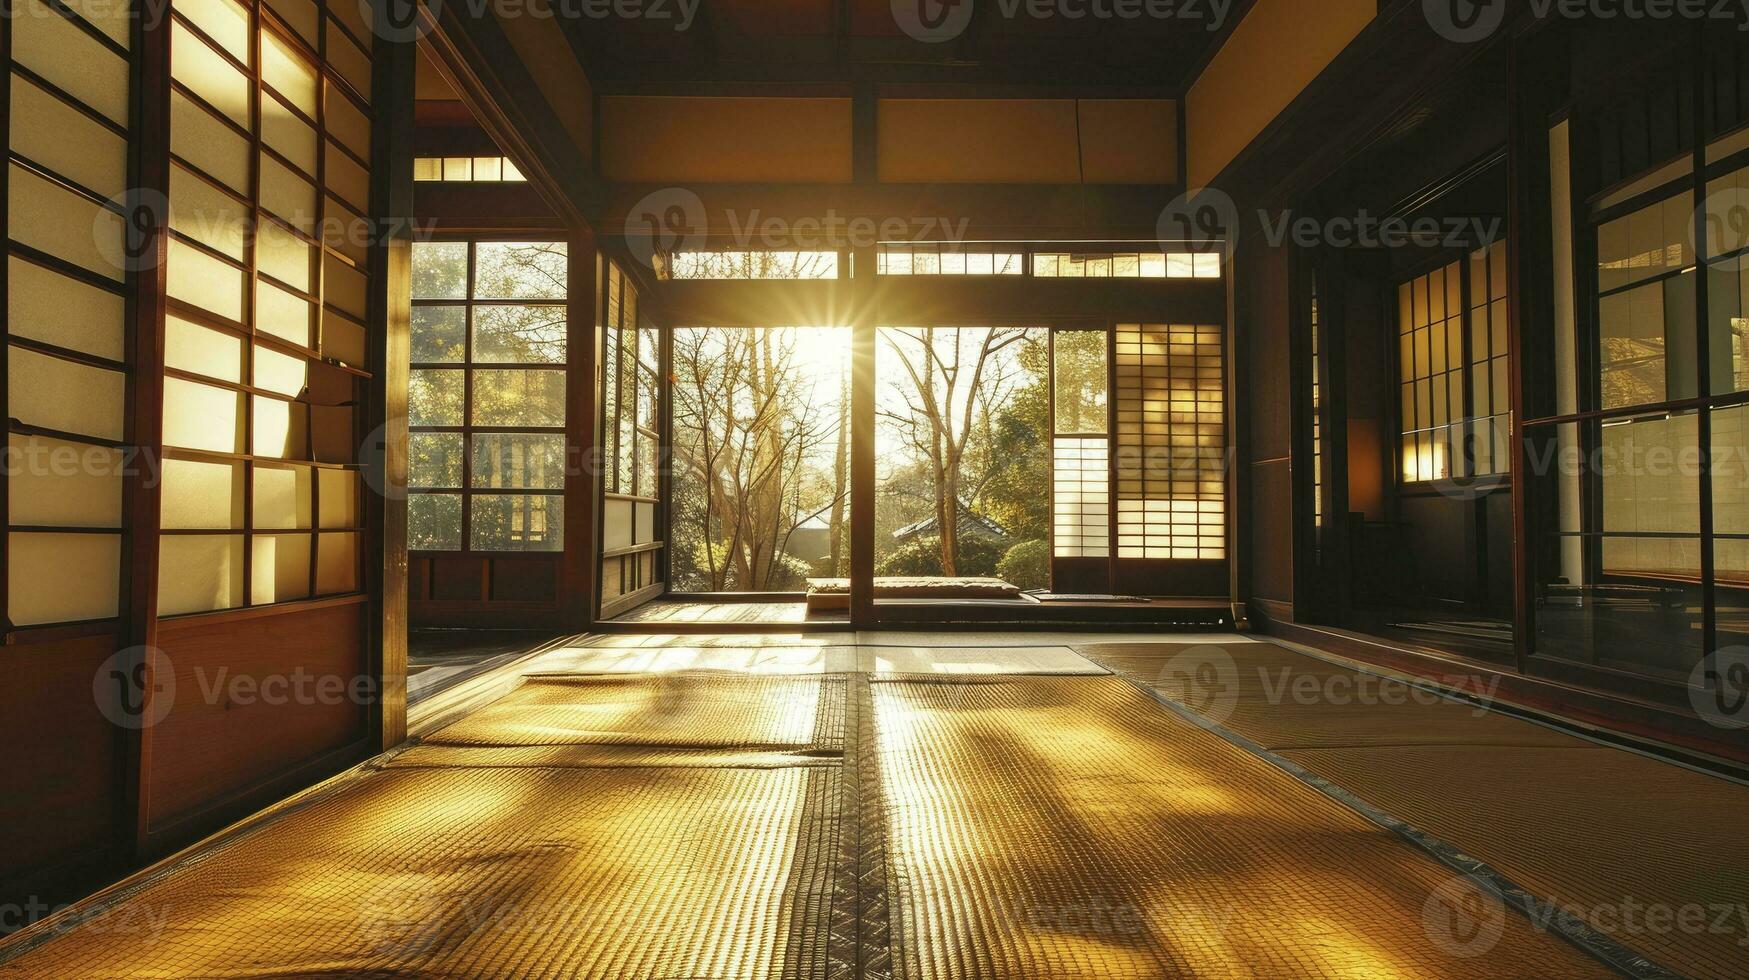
1651 854
950 810
671 710
792 659
481 873
1067 827
1607 833
882 659
1281 699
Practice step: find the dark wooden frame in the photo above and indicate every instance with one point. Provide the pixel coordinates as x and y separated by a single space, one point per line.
466 368
1587 218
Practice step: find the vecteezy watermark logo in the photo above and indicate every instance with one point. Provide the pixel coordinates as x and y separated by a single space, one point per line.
403 918
398 21
933 21
1719 688
135 688
1463 919
1469 21
666 221
1721 223
1204 219
141 211
374 452
1465 21
1204 679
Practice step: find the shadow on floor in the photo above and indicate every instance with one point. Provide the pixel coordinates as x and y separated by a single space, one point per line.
438 658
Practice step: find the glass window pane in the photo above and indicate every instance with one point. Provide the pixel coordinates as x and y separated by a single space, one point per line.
1652 241
440 334
440 270
519 334
434 459
518 461
516 397
1650 475
514 522
520 270
435 397
1647 343
1081 380
434 522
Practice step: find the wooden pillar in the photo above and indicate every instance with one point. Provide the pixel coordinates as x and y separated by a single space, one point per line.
864 322
385 458
576 592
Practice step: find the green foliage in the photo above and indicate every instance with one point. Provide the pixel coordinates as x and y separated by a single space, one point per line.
1017 492
1027 564
922 557
790 574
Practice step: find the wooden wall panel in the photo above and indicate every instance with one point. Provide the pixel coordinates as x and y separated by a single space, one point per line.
1272 55
547 56
647 139
61 771
1262 278
1017 141
1129 141
217 740
1272 532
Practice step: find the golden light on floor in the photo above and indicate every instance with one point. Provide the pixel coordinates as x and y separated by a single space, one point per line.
723 824
1057 827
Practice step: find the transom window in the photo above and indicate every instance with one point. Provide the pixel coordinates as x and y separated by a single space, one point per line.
487 457
748 264
494 169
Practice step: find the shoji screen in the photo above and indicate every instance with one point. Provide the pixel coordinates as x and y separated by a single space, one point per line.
1081 446
67 355
265 337
1171 442
631 544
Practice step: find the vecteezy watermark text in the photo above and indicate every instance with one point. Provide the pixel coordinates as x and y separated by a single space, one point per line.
936 21
1470 21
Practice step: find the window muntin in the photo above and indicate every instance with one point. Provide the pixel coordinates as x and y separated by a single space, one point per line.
631 441
1126 265
265 337
1171 441
1622 566
1081 445
1490 422
1454 406
66 355
948 260
487 453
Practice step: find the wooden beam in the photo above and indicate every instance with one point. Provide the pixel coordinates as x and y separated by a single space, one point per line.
497 88
821 215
